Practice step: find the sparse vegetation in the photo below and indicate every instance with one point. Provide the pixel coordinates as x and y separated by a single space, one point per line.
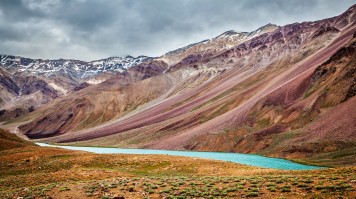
140 176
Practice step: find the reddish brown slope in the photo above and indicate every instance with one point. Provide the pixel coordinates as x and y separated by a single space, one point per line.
307 117
237 115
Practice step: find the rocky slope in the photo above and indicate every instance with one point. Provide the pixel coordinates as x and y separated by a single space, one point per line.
309 115
11 141
29 83
274 91
21 94
195 52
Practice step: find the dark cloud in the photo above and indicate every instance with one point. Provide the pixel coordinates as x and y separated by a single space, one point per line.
93 29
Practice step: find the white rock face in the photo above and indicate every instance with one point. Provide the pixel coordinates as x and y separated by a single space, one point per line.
58 88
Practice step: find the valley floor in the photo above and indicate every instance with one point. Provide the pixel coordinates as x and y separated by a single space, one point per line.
45 172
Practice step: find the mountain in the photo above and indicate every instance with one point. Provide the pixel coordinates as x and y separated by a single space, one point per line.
21 94
27 83
75 68
59 77
206 48
283 91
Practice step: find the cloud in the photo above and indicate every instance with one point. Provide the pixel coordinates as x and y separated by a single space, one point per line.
94 29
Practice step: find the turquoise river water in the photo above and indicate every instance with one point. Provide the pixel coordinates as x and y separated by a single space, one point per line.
248 159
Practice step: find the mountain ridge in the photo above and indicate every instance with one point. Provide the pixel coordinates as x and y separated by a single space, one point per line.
77 67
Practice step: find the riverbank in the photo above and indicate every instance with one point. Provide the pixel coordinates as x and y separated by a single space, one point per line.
38 172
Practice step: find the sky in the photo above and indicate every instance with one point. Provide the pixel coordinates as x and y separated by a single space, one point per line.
96 29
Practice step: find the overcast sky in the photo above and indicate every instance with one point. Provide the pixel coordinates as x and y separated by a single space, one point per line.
94 29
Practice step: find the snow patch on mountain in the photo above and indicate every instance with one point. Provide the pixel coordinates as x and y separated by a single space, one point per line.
219 43
74 68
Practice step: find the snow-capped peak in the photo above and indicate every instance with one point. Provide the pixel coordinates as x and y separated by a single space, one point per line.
76 68
231 33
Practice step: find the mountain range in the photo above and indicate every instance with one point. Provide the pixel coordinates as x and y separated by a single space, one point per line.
283 91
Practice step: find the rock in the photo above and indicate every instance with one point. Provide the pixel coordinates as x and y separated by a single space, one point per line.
118 197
